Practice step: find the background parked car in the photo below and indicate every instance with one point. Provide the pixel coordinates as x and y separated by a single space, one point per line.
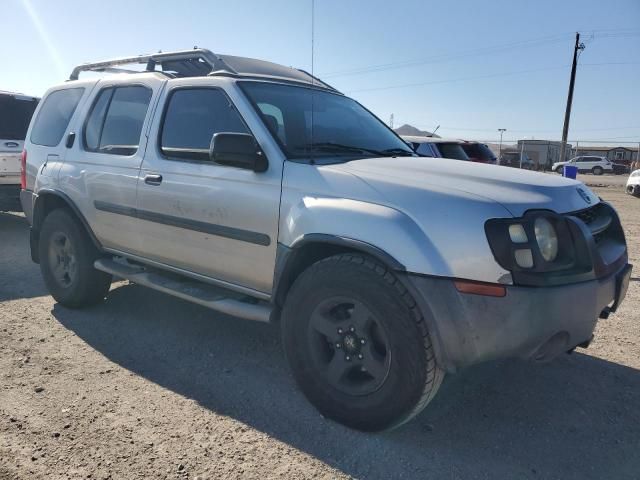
512 159
15 114
437 147
633 184
478 152
620 168
586 164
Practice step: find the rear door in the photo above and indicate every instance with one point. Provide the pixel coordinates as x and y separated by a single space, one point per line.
101 170
15 115
581 163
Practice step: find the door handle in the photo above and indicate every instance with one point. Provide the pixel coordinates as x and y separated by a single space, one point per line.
153 179
70 139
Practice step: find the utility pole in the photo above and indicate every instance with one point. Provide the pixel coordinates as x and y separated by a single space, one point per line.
501 130
567 114
391 121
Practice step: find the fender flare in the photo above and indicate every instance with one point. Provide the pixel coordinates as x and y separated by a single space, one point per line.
39 209
288 258
351 243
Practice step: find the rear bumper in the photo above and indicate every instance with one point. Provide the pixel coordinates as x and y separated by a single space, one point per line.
27 199
9 197
529 322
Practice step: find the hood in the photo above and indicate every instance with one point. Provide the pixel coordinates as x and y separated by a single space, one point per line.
516 190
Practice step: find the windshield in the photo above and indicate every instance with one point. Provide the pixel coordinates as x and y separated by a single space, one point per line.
15 115
337 128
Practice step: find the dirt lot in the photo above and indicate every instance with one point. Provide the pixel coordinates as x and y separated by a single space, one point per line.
147 386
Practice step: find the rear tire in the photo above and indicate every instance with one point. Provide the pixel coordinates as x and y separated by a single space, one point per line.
66 262
597 170
357 344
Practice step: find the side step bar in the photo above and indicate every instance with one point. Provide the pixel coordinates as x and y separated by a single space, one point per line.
201 293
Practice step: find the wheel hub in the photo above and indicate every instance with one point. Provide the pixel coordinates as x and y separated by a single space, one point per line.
349 346
351 343
62 259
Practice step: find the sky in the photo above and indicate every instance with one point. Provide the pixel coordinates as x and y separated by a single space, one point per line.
470 66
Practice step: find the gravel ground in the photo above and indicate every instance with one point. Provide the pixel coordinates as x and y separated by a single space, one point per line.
148 386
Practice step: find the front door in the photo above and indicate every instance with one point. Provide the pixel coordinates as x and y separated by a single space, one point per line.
213 220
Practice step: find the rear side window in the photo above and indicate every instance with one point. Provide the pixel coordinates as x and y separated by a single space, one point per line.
115 122
192 117
54 116
425 149
452 150
15 115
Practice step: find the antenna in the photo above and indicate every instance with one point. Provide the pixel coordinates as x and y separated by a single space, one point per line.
313 8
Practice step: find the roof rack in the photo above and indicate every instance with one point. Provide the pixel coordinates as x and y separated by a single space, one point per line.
201 62
187 63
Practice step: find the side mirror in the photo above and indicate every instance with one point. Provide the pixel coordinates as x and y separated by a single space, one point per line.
237 150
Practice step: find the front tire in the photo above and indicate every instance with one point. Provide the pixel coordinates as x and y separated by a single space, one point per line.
597 170
66 262
358 345
559 170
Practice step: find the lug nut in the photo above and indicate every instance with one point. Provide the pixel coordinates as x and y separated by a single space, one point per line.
340 331
360 356
347 358
352 329
362 341
338 345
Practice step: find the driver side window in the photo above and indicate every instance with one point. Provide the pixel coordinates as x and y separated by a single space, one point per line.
192 117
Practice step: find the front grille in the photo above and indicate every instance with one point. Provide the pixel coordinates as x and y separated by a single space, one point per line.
598 218
588 215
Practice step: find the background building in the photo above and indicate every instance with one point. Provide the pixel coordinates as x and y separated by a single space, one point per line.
542 153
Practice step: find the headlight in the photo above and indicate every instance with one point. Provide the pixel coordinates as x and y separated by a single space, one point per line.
547 238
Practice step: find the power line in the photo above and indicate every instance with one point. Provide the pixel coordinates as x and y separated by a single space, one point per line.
560 38
460 79
479 77
447 57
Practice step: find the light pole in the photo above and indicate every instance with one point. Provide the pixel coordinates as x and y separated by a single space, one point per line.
501 130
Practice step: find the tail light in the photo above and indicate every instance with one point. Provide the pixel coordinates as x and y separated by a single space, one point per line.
23 170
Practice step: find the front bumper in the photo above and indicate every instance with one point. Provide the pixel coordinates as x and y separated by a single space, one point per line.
529 322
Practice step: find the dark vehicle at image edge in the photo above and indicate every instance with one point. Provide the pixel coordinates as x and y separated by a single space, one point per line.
215 179
15 114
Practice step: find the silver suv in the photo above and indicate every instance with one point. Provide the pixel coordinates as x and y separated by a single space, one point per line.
259 191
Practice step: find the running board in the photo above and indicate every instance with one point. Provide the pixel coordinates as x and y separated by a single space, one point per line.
209 296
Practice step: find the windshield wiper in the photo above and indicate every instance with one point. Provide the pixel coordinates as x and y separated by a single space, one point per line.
405 153
353 148
346 148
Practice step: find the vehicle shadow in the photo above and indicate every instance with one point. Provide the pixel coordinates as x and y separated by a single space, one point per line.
574 418
19 276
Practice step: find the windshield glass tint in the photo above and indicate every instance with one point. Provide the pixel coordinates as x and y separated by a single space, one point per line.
338 126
